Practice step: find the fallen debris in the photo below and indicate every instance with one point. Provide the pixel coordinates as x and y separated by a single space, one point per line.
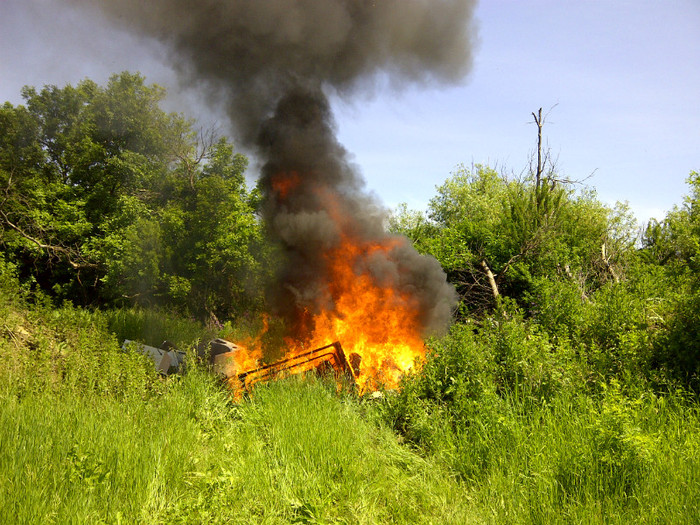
221 356
168 360
329 358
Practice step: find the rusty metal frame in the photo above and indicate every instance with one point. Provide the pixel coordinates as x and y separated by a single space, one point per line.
332 354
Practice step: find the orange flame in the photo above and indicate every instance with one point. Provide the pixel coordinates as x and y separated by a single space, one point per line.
377 325
284 183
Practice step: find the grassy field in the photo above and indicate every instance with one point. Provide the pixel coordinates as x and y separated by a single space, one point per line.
90 434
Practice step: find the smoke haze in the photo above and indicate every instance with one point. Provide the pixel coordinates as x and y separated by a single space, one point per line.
253 52
274 62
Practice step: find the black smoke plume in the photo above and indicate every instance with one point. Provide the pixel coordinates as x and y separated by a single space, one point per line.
275 62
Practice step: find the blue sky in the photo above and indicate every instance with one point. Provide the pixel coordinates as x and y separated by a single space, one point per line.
620 81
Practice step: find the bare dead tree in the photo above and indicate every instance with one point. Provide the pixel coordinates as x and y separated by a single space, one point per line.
539 122
191 156
544 158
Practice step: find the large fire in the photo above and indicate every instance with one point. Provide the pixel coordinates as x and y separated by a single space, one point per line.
377 325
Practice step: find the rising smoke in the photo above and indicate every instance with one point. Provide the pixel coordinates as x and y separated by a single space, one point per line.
275 62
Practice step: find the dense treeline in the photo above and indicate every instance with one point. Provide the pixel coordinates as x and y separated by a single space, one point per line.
580 272
106 199
565 391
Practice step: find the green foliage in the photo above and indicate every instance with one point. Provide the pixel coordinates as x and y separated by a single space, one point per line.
90 435
550 417
106 199
68 350
608 326
671 248
469 206
153 327
483 222
676 349
676 240
494 428
9 283
539 448
528 364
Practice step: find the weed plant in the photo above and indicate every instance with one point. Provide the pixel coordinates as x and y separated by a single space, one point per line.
153 327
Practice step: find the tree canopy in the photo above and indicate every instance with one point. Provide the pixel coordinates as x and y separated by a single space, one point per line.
498 236
106 198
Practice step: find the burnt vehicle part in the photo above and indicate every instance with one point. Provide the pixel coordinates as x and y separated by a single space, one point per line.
329 358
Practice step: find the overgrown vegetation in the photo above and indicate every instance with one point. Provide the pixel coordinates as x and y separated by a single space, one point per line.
565 391
107 200
91 434
540 436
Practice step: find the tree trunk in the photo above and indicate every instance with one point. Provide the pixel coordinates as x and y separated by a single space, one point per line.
608 266
538 172
492 280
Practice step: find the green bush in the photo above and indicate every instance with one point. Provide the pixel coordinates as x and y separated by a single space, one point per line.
69 350
465 402
527 364
676 350
559 307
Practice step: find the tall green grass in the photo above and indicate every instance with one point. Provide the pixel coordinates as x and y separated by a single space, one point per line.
532 446
91 434
579 460
153 327
298 453
499 426
294 453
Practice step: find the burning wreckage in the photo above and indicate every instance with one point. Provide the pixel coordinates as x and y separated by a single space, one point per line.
273 65
340 276
223 357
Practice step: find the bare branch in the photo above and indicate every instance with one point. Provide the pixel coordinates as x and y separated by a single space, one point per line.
606 263
191 156
54 249
539 122
492 280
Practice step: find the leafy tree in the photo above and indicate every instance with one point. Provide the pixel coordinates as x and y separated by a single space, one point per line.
105 197
674 246
498 237
676 240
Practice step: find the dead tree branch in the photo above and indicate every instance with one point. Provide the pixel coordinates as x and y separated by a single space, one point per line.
539 169
491 278
606 263
53 249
